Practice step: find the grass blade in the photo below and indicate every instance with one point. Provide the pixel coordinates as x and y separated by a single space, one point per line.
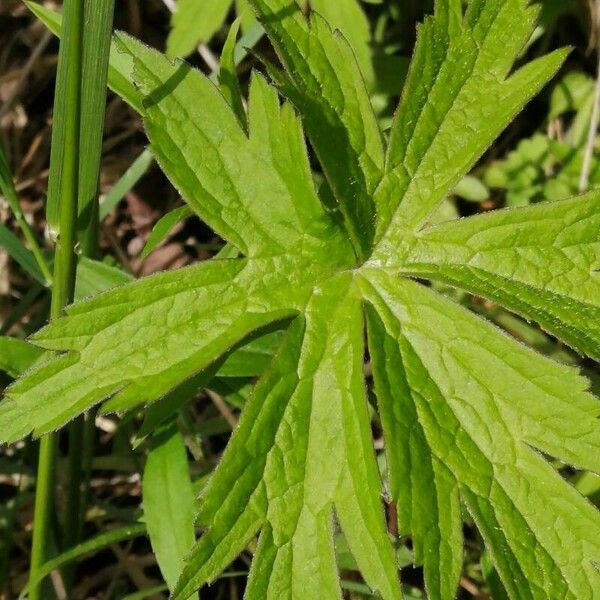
96 48
24 257
135 172
63 187
90 546
66 122
7 187
146 593
119 69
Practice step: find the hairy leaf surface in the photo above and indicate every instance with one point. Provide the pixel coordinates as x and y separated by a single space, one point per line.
324 81
457 99
470 416
541 261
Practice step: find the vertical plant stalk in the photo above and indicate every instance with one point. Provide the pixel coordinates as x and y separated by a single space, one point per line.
68 93
98 17
586 168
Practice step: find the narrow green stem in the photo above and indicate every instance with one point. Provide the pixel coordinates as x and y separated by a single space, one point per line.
65 261
8 187
34 247
87 459
44 504
98 19
588 155
74 491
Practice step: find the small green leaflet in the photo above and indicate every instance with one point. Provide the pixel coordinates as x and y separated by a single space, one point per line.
195 21
94 277
349 18
169 500
163 227
472 189
469 414
16 356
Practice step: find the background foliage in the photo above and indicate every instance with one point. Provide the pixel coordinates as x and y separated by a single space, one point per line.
145 229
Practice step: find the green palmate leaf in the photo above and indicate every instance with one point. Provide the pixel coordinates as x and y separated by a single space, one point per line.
169 501
270 162
293 484
456 100
469 414
136 335
349 18
541 261
324 81
195 21
462 405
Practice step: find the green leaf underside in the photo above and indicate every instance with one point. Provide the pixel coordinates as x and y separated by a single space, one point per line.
94 277
468 413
